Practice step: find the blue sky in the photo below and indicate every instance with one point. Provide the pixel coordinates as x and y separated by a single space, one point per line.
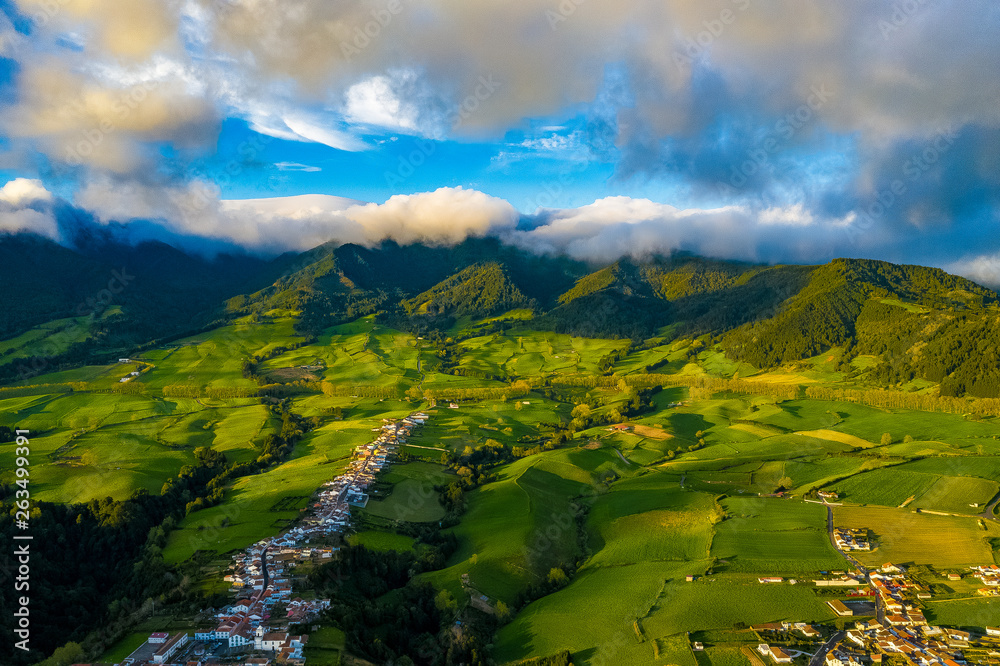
768 130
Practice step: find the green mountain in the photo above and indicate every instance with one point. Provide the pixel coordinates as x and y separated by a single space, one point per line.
916 322
480 290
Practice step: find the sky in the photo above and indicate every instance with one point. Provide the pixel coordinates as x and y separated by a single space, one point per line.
760 130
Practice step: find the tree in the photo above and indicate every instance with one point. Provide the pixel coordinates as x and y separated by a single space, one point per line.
503 611
886 439
70 653
445 602
786 483
907 439
557 577
581 411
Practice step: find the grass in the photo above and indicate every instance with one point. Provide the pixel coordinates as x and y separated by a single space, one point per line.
769 535
903 536
649 519
374 540
886 487
955 494
325 646
632 527
517 528
413 497
972 614
594 615
247 513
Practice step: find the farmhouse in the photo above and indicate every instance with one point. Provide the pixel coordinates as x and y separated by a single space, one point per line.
957 635
780 656
771 579
839 608
807 630
993 631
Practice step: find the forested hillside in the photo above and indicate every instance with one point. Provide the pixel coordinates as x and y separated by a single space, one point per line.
917 322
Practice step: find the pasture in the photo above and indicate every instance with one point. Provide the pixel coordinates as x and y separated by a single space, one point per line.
903 536
413 498
770 535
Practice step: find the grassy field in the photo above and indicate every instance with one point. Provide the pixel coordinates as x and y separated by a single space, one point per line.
684 492
971 614
413 497
763 534
907 537
593 617
324 647
649 519
248 513
373 540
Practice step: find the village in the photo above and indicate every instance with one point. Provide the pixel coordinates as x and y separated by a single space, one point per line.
895 628
254 629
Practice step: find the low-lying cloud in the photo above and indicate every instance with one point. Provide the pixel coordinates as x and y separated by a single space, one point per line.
25 207
446 216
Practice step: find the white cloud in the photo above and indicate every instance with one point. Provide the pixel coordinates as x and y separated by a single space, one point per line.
24 191
374 102
984 269
312 129
25 207
444 217
621 226
295 166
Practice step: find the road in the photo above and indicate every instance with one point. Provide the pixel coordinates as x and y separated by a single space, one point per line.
624 459
988 513
820 656
879 610
263 565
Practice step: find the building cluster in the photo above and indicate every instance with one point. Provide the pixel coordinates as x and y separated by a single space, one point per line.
903 629
247 632
842 579
851 539
900 627
990 575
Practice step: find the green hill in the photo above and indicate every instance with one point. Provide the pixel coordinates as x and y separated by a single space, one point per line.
481 290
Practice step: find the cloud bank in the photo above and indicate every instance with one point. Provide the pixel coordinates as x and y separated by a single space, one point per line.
780 121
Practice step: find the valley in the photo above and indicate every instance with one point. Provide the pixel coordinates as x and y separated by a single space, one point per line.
578 491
